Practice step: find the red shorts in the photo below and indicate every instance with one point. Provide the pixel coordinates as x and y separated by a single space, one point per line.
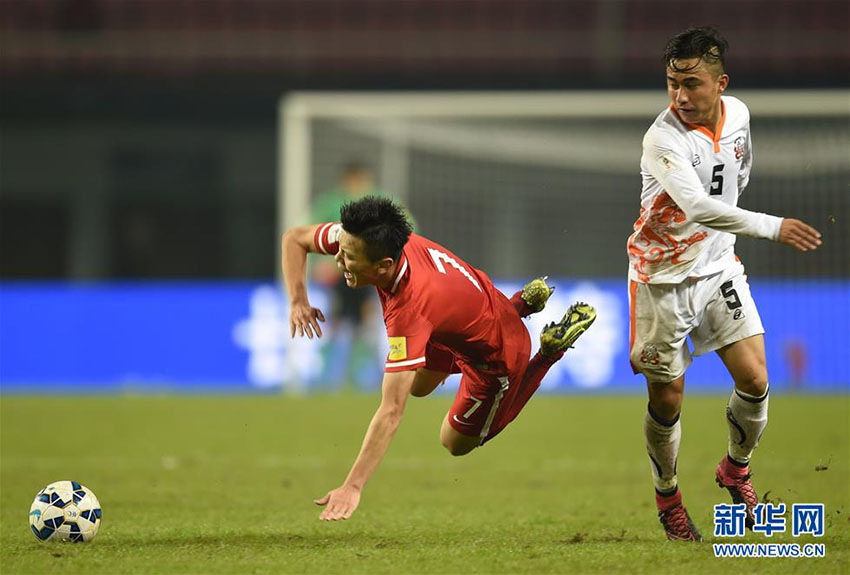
482 405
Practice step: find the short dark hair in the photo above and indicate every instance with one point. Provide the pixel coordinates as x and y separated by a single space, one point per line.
380 223
704 43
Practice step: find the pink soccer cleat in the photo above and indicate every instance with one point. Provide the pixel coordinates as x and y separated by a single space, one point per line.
674 517
736 480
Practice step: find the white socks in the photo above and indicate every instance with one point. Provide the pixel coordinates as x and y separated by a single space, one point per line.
662 444
747 418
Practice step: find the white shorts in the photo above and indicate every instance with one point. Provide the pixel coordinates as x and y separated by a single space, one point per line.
715 311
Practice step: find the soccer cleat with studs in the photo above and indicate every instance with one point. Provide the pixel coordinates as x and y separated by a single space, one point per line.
736 480
558 337
678 524
536 293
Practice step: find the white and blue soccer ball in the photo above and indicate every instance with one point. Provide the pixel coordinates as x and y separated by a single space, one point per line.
65 511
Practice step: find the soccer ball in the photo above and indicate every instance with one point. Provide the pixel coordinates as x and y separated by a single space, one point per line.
65 511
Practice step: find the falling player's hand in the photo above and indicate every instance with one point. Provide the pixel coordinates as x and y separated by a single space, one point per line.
339 503
799 235
305 319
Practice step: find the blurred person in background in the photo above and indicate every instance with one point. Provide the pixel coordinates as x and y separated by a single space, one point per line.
348 355
442 316
684 276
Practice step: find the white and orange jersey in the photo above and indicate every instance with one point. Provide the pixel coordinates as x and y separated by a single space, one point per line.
691 182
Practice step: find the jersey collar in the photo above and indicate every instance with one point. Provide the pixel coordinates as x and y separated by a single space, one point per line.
714 137
401 269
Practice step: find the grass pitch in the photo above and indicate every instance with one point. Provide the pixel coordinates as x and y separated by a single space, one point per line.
224 485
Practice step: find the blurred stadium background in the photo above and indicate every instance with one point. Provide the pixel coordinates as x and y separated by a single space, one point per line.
152 151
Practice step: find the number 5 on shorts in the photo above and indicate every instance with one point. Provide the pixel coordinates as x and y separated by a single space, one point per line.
729 292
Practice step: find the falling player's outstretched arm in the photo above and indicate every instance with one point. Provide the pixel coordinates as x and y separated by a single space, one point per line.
295 245
682 183
341 502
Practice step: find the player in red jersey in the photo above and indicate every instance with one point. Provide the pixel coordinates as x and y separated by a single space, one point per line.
442 316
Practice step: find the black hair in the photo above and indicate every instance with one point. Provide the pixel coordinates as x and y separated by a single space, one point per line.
380 223
704 43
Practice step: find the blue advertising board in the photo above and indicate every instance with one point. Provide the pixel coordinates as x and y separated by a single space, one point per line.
235 337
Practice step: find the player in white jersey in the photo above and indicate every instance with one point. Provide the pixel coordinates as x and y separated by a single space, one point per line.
684 278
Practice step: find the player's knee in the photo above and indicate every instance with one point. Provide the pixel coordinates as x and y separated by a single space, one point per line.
666 399
457 449
457 444
753 381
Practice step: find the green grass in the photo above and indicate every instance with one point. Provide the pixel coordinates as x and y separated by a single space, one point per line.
224 485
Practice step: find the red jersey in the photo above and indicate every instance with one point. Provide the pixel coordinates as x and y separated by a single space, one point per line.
436 298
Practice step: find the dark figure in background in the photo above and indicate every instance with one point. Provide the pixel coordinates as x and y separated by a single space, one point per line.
350 351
